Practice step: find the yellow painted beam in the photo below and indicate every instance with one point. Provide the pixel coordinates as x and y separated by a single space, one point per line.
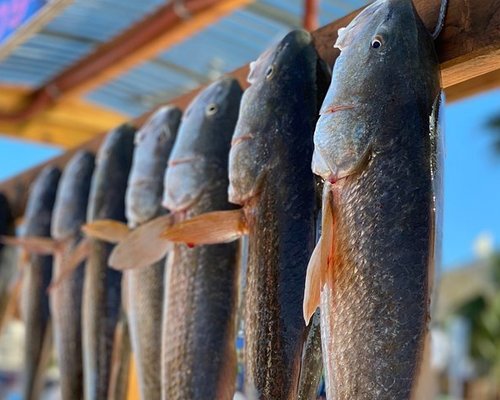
67 124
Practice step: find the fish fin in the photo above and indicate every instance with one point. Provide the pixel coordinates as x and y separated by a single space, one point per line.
319 269
106 229
72 257
33 244
210 228
313 283
143 246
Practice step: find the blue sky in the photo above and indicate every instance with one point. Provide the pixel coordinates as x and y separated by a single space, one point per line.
472 174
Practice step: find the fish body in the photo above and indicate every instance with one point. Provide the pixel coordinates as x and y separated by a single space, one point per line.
102 285
270 176
66 299
312 362
199 326
153 144
376 145
37 274
7 258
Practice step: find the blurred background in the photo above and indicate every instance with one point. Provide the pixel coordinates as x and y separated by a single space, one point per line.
45 45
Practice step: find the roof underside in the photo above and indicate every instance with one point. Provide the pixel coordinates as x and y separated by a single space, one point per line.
233 41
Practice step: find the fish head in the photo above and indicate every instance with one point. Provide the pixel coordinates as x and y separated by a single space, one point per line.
153 144
199 158
251 154
38 213
381 55
109 181
70 208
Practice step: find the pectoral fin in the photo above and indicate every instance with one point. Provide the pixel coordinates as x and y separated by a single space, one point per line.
319 269
71 258
210 228
143 246
33 244
313 283
106 229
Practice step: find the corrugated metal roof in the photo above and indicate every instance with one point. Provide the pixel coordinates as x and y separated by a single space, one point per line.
233 41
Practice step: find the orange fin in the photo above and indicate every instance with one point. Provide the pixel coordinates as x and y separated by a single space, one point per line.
106 229
71 259
321 262
313 283
143 246
33 244
210 228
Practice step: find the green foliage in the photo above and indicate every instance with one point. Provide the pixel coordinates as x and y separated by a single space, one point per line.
483 313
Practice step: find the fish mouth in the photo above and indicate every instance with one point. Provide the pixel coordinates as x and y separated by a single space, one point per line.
237 140
336 108
178 161
181 205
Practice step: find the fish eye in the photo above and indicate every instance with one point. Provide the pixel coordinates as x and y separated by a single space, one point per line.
376 42
269 72
211 109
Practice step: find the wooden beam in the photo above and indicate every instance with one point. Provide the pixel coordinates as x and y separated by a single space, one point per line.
67 124
469 45
485 42
479 84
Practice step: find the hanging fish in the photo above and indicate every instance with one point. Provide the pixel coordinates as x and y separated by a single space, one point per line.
145 287
36 277
199 329
270 177
66 299
102 286
65 244
377 146
199 321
